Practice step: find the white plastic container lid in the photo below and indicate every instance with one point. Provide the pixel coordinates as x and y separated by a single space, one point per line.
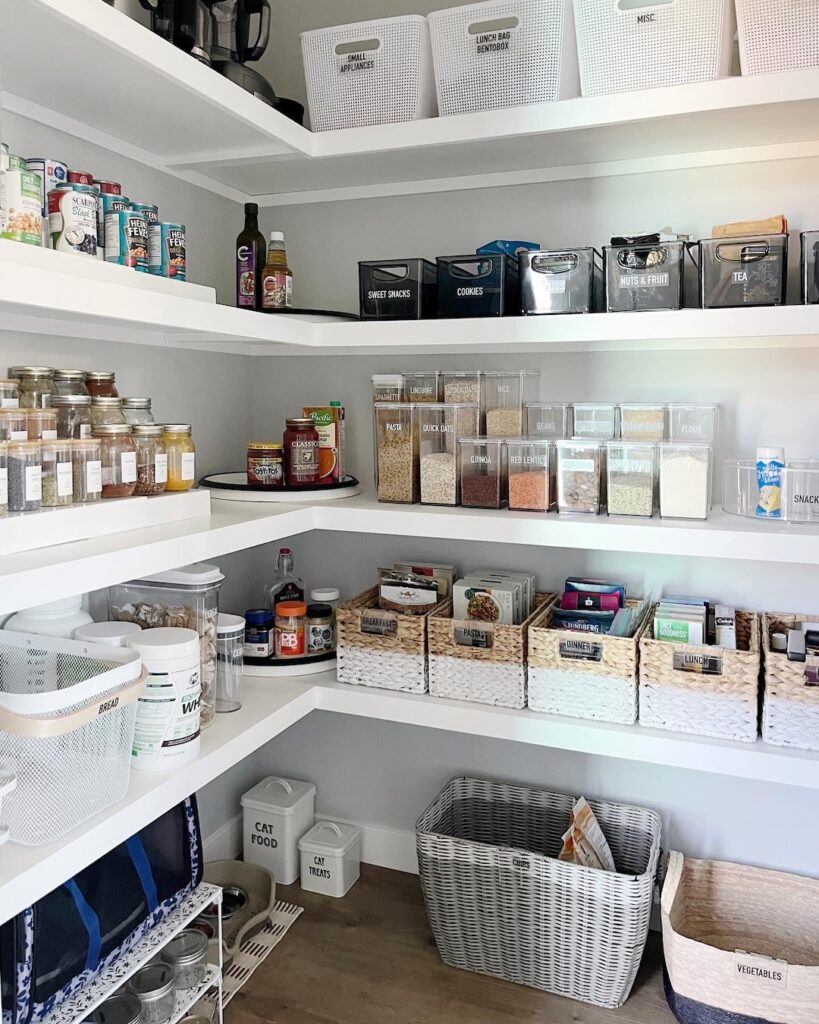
329 838
65 604
111 634
229 623
769 452
324 595
165 642
197 575
278 795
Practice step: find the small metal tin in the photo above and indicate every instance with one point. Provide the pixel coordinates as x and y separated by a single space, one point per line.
122 1008
81 178
167 251
187 955
126 239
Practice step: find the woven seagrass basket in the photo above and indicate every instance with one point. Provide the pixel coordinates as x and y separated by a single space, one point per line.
490 674
790 716
722 700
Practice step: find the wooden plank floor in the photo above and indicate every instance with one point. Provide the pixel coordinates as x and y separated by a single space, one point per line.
370 959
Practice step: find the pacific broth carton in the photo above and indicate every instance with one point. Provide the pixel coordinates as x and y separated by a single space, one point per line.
329 421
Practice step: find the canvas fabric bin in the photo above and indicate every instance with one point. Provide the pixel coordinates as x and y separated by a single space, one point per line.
741 944
379 648
492 674
723 703
790 710
583 675
500 903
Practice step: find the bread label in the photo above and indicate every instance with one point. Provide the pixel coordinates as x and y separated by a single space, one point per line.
760 972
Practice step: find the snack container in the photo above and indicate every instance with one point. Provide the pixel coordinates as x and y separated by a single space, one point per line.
688 422
559 281
642 421
422 386
397 289
462 386
685 480
532 474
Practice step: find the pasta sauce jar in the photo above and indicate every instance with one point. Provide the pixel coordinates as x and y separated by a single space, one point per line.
265 463
301 452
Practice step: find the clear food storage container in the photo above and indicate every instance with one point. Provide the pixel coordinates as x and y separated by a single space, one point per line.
747 271
397 289
387 387
106 409
396 452
9 394
188 598
595 419
484 284
558 281
4 477
483 472
13 425
86 461
809 245
688 422
579 476
532 474
422 386
551 420
25 476
462 386
58 474
631 470
642 421
685 480
643 277
73 415
41 424
504 396
441 426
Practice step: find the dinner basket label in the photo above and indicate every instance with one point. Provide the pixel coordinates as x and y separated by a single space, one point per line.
581 650
702 664
378 626
760 972
472 636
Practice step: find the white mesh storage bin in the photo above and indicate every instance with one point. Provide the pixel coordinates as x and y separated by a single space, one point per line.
629 44
505 53
67 712
777 35
372 72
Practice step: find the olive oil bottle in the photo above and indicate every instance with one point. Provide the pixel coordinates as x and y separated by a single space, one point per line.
250 260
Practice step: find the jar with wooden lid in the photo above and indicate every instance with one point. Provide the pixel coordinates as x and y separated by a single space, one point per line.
101 383
57 474
265 463
301 452
152 459
13 425
25 476
106 409
181 456
4 478
118 458
291 629
41 424
73 415
137 410
70 382
36 386
86 462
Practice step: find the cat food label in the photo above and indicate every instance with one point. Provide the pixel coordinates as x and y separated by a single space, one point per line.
760 973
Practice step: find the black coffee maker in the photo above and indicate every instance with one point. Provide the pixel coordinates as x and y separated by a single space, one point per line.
185 23
240 33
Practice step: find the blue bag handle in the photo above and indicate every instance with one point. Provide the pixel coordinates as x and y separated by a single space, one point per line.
91 922
142 865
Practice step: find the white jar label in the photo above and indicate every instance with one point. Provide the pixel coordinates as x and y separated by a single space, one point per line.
10 403
188 466
129 467
4 487
85 431
65 480
34 483
18 435
167 713
161 468
93 477
49 435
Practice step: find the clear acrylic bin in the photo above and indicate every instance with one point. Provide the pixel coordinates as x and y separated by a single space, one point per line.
441 425
532 474
397 289
800 490
642 421
595 420
644 277
552 420
504 396
809 267
422 386
396 452
690 422
579 476
558 281
685 480
483 472
462 386
751 270
631 469
387 387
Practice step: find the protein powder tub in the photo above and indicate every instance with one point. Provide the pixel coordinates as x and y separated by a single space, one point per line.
166 735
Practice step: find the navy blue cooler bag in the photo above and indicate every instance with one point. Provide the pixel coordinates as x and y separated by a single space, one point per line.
49 951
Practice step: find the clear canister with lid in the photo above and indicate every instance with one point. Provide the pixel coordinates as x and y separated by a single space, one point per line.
4 477
70 382
153 986
505 394
120 1008
9 394
152 458
685 480
73 415
642 421
118 457
387 387
57 473
532 474
106 409
230 659
551 420
291 629
483 472
181 456
631 468
25 476
101 383
137 410
41 424
596 420
36 386
86 463
187 956
579 475
422 386
13 425
396 452
441 425
461 385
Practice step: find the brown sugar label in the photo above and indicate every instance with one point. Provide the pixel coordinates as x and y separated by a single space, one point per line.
471 636
580 650
378 626
760 973
702 664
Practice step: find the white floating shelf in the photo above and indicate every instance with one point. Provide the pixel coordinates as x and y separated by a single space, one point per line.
700 124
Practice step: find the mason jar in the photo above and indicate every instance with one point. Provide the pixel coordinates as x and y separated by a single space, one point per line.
101 383
36 386
152 458
137 410
106 409
181 456
70 382
118 458
73 415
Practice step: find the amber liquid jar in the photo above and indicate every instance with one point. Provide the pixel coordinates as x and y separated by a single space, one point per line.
265 463
301 452
101 384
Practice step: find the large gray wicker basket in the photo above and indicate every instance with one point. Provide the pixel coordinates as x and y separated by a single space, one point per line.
500 902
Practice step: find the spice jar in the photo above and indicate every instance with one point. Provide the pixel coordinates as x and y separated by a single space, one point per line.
531 474
41 424
13 425
70 382
301 452
86 462
441 426
101 384
483 472
36 386
260 639
152 458
396 452
106 410
265 463
122 1008
153 986
25 476
9 394
387 387
632 478
685 481
291 629
4 477
321 630
57 474
137 410
504 397
181 456
118 457
73 415
187 956
579 476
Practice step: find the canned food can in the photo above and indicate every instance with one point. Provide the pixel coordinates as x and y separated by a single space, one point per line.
166 249
108 188
72 219
151 212
126 239
15 163
108 201
4 148
80 178
52 173
21 216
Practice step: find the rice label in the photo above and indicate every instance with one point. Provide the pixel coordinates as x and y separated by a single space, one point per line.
760 972
580 650
471 636
701 664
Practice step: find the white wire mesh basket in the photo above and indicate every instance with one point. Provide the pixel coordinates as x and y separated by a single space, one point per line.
777 35
630 44
371 72
505 53
67 713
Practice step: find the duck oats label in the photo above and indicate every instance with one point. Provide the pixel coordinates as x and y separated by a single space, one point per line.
760 972
702 664
580 650
377 626
469 636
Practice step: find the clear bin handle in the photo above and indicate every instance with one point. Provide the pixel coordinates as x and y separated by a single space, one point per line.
626 6
555 263
479 28
389 273
470 269
741 252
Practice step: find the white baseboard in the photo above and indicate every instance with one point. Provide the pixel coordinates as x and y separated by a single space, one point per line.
226 842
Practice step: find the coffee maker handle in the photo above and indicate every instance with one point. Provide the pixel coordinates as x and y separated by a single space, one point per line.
149 5
262 8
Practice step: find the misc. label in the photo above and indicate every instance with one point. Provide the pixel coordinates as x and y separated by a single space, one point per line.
702 664
580 650
188 463
553 285
378 626
129 467
472 636
644 280
760 972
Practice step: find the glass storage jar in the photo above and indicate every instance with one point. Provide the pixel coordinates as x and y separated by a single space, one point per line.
642 421
153 986
441 425
120 1008
9 394
86 461
631 469
598 420
483 472
106 410
118 457
137 410
181 456
422 386
36 386
101 383
13 425
25 476
41 424
461 386
685 480
301 452
73 415
58 474
579 476
4 477
387 387
187 956
70 382
291 629
532 475
552 420
396 452
152 458
504 397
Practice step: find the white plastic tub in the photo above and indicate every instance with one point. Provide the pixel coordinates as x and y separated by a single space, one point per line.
777 35
330 858
276 814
